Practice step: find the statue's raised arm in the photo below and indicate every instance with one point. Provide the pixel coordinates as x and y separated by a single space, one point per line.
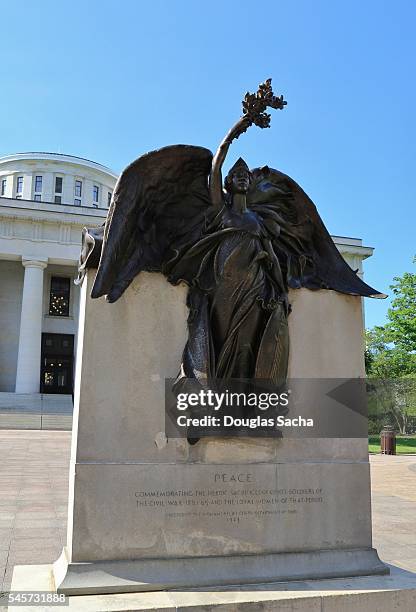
254 107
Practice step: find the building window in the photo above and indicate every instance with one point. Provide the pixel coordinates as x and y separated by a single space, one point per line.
109 194
37 197
59 296
19 184
3 186
38 184
95 194
77 202
78 188
58 184
58 189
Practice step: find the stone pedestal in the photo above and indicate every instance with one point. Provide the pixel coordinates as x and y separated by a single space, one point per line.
146 513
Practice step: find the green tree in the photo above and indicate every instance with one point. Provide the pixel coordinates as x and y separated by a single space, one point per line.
401 326
385 359
391 349
390 358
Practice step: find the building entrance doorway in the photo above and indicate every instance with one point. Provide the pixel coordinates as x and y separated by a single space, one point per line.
57 363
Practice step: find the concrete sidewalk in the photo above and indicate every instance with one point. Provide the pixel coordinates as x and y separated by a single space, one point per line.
393 494
33 497
34 491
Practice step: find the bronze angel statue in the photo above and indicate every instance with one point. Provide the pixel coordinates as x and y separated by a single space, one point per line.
238 247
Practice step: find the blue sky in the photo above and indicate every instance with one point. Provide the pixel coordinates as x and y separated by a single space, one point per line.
110 80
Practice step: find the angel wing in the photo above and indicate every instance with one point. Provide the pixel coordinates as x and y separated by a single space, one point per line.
158 204
297 232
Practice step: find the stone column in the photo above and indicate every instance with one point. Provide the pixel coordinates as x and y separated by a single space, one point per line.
28 360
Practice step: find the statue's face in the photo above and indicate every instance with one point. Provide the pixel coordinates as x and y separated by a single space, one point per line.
240 181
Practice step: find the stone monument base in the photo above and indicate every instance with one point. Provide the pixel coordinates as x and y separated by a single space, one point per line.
149 512
196 572
396 591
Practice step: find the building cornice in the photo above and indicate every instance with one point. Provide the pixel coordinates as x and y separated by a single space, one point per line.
58 157
49 211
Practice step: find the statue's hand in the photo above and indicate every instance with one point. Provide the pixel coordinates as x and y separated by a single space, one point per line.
239 128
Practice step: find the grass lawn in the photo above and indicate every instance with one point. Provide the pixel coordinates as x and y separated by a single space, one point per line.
404 444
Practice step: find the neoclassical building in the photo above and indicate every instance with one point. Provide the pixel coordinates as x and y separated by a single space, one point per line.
45 200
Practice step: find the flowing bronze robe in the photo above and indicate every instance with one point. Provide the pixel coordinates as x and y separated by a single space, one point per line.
237 300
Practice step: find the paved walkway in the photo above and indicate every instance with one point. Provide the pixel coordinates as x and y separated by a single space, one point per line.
33 498
393 492
34 490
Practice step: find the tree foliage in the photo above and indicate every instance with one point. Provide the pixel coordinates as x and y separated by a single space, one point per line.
391 349
401 326
391 358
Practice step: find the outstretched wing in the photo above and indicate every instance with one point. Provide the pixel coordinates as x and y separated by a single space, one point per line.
158 204
300 237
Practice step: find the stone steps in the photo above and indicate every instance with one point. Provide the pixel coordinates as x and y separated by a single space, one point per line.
35 411
16 420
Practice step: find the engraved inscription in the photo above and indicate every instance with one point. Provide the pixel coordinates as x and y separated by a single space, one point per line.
233 503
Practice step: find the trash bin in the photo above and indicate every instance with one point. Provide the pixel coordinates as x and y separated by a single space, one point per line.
388 440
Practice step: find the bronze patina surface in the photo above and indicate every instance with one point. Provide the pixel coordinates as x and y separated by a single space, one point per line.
238 248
